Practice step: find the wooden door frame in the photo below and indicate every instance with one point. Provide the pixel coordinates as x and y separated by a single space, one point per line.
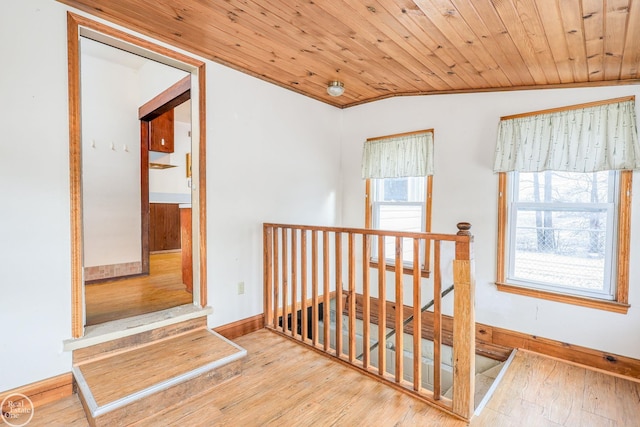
78 26
169 99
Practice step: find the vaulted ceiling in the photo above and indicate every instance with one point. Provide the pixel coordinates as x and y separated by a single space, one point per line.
384 48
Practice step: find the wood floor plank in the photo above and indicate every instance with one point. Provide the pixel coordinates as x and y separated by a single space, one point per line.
66 412
563 388
522 409
537 372
493 418
583 418
598 385
627 409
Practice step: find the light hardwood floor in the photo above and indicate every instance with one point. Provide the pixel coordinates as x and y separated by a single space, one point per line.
284 384
118 299
540 391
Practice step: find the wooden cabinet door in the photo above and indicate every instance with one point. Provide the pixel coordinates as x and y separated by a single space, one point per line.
161 138
164 226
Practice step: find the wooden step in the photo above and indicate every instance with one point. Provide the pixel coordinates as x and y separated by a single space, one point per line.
118 345
128 386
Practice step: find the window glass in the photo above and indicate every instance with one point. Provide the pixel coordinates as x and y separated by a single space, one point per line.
395 189
562 232
398 204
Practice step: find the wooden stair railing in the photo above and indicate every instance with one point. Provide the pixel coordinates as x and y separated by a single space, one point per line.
406 321
298 297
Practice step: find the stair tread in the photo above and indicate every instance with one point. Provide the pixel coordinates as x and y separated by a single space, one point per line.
124 374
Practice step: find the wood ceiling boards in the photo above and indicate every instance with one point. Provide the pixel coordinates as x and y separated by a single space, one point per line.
384 48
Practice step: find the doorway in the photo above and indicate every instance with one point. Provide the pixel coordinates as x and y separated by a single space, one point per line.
79 28
154 279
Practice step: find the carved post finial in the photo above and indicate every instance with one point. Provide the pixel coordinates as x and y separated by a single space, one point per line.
463 229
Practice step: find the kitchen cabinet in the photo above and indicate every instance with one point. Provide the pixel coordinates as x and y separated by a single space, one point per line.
161 135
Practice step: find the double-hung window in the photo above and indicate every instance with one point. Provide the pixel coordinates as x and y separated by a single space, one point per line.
398 170
564 203
399 204
562 232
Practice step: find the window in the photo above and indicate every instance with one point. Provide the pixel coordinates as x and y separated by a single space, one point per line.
562 231
398 170
563 235
398 204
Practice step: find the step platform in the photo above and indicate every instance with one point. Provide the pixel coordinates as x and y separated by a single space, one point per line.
127 386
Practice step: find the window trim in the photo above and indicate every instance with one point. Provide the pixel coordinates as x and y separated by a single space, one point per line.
620 304
424 272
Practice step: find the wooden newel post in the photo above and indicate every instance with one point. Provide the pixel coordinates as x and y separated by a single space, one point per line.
464 337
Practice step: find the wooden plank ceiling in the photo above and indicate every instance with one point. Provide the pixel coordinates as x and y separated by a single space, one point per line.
383 48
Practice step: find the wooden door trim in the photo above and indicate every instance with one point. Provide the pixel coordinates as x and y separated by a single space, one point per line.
74 25
169 99
75 172
145 132
202 182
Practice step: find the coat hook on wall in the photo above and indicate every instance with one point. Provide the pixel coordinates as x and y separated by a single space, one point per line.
125 148
113 147
93 143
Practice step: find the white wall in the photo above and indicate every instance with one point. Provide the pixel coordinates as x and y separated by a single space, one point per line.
272 155
35 264
155 78
465 189
110 162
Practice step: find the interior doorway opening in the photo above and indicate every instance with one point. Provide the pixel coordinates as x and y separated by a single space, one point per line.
83 145
165 278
